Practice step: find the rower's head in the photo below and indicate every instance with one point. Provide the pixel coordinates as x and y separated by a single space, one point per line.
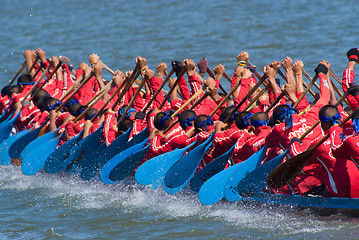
162 120
90 113
37 94
283 113
5 91
53 104
78 112
258 120
242 120
74 108
15 90
124 125
355 120
25 79
228 111
129 115
44 102
202 122
328 116
186 119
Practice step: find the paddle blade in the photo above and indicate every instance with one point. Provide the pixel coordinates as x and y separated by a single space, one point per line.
38 141
127 166
18 146
210 170
257 180
287 171
35 160
54 163
6 126
113 162
230 189
212 191
5 145
182 171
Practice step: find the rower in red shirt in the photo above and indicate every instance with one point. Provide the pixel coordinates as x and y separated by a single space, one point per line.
291 125
243 150
331 163
348 78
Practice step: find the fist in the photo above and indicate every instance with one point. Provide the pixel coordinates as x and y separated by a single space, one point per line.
41 54
142 62
211 84
93 59
161 68
246 73
219 70
54 61
88 124
243 56
202 65
269 72
97 67
118 77
29 53
287 63
298 67
275 65
128 74
189 65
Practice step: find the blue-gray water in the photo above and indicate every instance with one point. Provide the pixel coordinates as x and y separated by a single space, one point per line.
64 207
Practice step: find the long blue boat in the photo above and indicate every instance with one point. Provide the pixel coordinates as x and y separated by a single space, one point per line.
303 201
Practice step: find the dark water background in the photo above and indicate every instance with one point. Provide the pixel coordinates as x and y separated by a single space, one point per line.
63 207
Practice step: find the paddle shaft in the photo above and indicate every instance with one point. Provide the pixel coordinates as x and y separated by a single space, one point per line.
133 98
128 83
254 88
184 105
225 98
158 91
99 96
17 73
275 102
173 87
80 85
305 91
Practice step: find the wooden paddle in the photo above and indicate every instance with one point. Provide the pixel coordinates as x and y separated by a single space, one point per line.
305 91
287 171
17 73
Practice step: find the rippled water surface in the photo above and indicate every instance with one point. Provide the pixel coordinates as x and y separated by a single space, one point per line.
64 207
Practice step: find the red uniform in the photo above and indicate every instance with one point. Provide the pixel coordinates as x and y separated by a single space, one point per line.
330 166
222 142
160 145
247 147
281 135
348 77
